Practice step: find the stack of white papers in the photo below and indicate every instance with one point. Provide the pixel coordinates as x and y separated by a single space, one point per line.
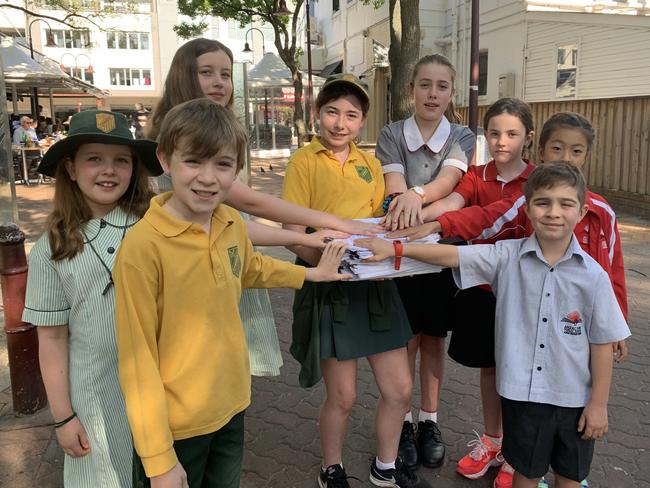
352 261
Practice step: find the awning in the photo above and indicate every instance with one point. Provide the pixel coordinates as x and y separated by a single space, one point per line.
271 72
332 68
25 74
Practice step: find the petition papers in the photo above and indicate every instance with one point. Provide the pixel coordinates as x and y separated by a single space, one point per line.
352 261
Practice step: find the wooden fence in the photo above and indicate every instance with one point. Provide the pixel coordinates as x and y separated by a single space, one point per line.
620 158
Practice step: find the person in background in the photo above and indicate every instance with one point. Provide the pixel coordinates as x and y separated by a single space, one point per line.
25 134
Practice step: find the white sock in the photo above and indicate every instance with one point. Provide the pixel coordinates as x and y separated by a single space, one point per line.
408 417
384 466
495 440
422 416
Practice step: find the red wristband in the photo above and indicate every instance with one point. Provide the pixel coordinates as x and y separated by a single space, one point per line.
399 249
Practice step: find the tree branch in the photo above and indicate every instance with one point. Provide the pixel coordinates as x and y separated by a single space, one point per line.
64 20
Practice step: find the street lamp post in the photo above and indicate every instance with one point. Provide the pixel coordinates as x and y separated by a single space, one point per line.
247 48
50 43
310 91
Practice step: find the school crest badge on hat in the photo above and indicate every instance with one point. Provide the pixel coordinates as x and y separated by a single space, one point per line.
105 122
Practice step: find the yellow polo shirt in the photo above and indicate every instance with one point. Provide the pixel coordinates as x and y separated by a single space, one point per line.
182 354
317 180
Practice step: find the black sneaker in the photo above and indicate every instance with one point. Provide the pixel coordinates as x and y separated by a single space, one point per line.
400 477
408 450
333 477
430 445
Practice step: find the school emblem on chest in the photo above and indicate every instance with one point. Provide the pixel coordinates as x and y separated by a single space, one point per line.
105 122
573 321
364 173
235 262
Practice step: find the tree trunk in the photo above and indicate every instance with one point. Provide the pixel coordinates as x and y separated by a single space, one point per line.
298 112
403 53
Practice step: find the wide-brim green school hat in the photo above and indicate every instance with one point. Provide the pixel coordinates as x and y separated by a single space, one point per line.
99 126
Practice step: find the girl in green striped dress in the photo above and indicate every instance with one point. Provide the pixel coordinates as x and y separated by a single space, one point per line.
101 191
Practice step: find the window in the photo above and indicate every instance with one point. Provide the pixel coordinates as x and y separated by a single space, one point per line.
482 73
335 6
130 76
234 30
71 39
127 40
81 74
567 70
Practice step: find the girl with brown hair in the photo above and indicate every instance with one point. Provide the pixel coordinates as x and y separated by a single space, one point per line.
101 191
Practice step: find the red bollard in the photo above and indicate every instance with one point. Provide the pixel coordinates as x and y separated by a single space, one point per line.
22 341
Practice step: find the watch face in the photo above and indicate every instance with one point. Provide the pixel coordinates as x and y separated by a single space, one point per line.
419 190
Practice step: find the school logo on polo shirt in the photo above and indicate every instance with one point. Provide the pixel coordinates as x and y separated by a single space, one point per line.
364 173
573 326
235 262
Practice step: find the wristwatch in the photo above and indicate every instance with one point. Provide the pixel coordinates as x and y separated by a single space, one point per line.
419 191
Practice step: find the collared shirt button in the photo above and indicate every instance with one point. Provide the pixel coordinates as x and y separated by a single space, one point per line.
544 319
552 269
110 250
102 224
548 294
539 368
541 346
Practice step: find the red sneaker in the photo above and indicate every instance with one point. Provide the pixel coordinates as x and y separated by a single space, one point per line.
483 456
504 477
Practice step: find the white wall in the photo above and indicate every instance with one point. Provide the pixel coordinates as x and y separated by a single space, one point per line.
501 34
613 54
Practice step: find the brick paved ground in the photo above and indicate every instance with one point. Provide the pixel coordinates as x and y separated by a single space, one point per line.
282 448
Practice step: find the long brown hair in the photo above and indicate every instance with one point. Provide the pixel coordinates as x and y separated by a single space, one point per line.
71 210
452 115
182 82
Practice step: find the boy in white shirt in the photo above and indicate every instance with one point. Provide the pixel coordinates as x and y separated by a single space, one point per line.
556 319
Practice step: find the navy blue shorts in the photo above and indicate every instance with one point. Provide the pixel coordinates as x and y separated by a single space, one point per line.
538 435
427 300
472 328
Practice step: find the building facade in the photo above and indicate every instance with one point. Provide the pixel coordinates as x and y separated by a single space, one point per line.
538 51
126 51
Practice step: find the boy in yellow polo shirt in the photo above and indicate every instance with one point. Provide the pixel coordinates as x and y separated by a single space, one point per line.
183 360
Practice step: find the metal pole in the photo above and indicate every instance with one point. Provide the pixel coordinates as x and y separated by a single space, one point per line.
310 92
51 93
273 119
31 53
28 392
474 73
247 121
257 123
14 98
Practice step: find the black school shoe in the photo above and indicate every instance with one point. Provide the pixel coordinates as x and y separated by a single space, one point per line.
408 449
430 446
399 477
334 477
